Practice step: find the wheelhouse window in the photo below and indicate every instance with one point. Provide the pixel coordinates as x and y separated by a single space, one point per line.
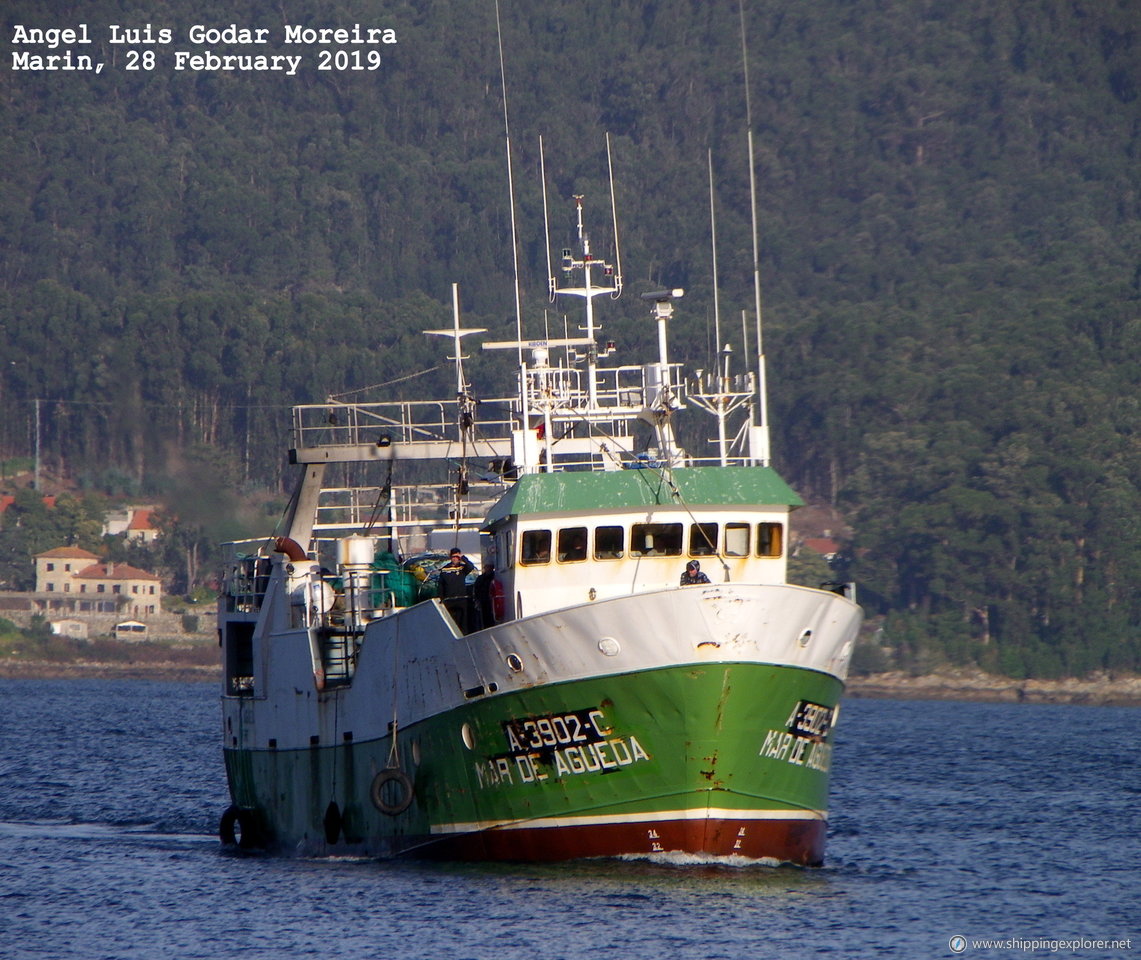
656 540
609 543
702 539
535 547
572 544
736 539
770 539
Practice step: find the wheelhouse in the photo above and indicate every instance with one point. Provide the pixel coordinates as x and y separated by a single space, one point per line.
561 539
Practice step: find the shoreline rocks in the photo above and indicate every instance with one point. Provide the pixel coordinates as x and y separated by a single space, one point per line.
976 686
157 670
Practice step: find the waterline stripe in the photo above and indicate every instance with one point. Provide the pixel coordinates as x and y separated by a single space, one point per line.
697 813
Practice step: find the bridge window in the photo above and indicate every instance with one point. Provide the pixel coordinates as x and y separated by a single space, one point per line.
702 539
770 539
656 540
536 547
736 539
572 544
609 542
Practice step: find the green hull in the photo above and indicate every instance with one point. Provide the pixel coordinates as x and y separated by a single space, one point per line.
710 759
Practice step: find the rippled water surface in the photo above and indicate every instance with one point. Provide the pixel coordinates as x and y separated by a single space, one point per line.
983 820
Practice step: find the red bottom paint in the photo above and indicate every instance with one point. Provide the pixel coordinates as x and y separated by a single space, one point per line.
789 841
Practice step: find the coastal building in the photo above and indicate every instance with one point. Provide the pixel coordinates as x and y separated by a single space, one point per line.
828 548
7 499
56 568
132 630
136 522
70 627
94 586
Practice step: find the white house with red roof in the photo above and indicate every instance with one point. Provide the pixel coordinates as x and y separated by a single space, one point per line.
828 548
136 522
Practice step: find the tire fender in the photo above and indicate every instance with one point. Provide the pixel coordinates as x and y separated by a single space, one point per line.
241 827
391 800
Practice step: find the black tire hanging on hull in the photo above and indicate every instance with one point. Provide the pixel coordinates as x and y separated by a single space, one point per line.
391 792
241 828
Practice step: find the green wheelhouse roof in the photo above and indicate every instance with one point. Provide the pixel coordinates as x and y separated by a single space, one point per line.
586 492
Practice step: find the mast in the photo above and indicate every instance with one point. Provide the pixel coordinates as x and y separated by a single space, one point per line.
588 264
713 245
661 398
614 221
716 395
759 435
465 402
510 189
457 333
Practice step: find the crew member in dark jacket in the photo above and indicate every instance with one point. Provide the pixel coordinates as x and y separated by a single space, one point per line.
693 574
481 595
453 587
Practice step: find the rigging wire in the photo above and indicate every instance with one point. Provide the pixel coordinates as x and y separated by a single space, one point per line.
386 383
234 406
385 494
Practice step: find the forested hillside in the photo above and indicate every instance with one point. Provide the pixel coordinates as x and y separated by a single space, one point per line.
950 256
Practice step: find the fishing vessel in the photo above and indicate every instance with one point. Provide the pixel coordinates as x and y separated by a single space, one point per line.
625 672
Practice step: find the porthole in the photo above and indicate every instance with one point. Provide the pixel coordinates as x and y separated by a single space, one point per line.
468 736
514 663
609 646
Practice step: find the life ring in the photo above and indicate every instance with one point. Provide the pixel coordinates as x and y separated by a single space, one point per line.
242 828
498 602
377 792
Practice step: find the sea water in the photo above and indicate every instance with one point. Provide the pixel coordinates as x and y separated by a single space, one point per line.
1012 823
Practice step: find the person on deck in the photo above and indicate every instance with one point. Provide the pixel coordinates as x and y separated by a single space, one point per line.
693 574
481 595
453 587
